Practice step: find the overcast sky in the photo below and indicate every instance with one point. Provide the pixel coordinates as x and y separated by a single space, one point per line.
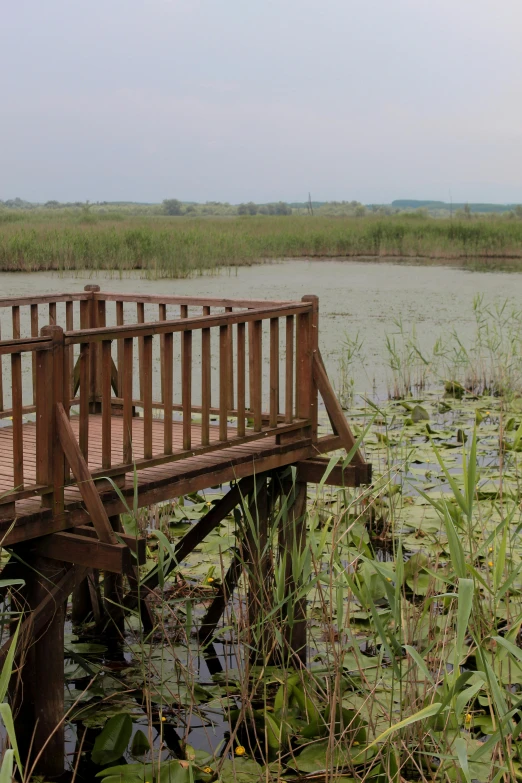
236 100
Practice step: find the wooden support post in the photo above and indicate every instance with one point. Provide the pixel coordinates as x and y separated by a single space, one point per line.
292 540
217 607
43 674
113 593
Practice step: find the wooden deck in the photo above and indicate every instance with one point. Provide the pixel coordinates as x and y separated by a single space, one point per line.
182 476
176 395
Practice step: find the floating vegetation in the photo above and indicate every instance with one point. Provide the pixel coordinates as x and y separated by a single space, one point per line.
413 595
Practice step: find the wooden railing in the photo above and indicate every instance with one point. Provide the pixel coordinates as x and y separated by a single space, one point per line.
229 371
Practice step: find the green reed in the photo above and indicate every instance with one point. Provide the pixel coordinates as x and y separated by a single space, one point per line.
163 246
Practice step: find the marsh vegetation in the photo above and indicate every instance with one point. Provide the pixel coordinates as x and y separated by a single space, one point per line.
79 239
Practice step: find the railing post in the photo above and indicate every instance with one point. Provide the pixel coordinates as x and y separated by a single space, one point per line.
313 347
94 348
304 381
55 392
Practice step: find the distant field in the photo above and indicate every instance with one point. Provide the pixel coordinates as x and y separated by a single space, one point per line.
180 246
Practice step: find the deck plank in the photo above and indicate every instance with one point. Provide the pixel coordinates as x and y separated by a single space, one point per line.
160 482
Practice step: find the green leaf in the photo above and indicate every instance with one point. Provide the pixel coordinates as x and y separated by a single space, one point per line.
112 742
6 771
140 744
7 668
462 755
427 712
7 717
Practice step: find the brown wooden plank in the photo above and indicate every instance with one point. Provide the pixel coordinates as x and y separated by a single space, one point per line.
206 385
167 366
257 374
196 301
85 387
187 324
34 333
303 366
333 407
224 356
106 403
16 322
289 369
44 412
127 399
162 313
241 389
146 379
81 472
69 326
140 317
52 313
313 471
186 387
119 354
18 439
274 371
230 362
137 545
85 551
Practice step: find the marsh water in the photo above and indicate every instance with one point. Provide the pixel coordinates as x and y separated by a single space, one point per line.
365 298
361 298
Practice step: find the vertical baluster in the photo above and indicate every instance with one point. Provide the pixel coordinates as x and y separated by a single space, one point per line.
16 322
99 305
257 373
18 442
127 399
230 362
44 414
147 397
140 313
52 313
289 369
168 391
162 312
251 366
205 383
85 388
119 349
34 333
84 372
186 387
106 402
241 379
274 371
223 382
69 326
303 366
183 313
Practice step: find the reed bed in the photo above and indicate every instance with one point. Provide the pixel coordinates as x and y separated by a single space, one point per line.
179 247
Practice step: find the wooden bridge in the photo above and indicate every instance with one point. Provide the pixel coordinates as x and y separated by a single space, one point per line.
110 399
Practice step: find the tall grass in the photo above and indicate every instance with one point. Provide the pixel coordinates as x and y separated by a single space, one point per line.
179 247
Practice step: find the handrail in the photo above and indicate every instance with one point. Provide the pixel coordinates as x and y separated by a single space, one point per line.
150 328
196 301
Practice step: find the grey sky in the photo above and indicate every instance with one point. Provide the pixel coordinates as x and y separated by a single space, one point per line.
261 99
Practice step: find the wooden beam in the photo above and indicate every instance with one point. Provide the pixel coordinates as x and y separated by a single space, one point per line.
136 545
313 470
85 551
195 536
81 473
333 407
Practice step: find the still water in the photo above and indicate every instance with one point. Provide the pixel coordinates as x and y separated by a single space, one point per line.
355 297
